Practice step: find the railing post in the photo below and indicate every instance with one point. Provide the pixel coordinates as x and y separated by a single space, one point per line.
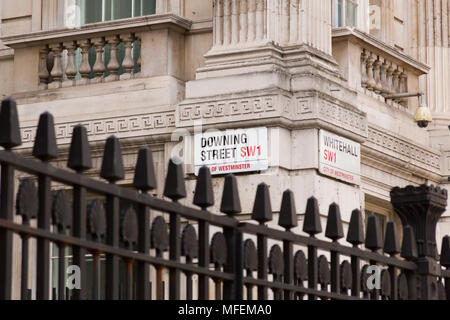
112 171
9 138
421 208
80 161
144 180
231 206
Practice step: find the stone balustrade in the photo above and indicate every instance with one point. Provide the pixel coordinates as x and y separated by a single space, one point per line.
375 68
381 75
89 60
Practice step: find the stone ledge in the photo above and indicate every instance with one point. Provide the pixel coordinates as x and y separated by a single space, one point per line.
98 29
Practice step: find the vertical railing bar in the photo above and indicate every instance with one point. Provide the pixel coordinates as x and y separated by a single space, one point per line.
112 261
143 272
203 259
228 286
175 253
312 270
374 294
239 266
262 265
394 287
356 276
288 267
24 266
335 270
6 236
43 245
61 271
79 231
95 276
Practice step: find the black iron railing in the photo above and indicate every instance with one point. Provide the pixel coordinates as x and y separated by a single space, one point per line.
241 260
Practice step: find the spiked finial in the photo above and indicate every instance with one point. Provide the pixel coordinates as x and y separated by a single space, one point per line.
390 240
144 174
409 245
312 224
175 188
112 166
445 252
262 209
334 229
9 125
79 154
45 144
231 204
355 234
373 234
288 212
204 195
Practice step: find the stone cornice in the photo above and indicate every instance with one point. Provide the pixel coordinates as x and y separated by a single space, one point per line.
369 40
99 29
305 109
403 153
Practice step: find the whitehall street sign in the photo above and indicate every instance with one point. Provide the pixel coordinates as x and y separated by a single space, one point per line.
231 151
339 158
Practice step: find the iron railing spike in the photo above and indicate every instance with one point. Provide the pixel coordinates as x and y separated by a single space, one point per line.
231 203
409 245
334 229
391 245
373 234
288 211
204 194
45 147
355 234
112 166
312 224
175 188
80 153
9 125
262 208
445 252
144 174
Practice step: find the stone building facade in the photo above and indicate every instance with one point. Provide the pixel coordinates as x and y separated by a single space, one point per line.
152 72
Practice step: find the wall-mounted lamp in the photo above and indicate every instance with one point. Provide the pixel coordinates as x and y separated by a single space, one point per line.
423 115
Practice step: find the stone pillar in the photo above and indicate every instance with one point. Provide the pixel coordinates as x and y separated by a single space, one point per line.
421 208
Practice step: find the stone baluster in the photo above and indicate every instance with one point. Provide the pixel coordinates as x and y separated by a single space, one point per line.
43 70
370 72
259 32
251 20
99 66
396 80
71 70
127 63
364 58
113 64
227 22
243 21
384 82
390 78
85 67
403 81
235 21
57 70
139 60
377 75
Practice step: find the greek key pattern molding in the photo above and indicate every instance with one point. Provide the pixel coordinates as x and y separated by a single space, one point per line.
269 106
116 125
